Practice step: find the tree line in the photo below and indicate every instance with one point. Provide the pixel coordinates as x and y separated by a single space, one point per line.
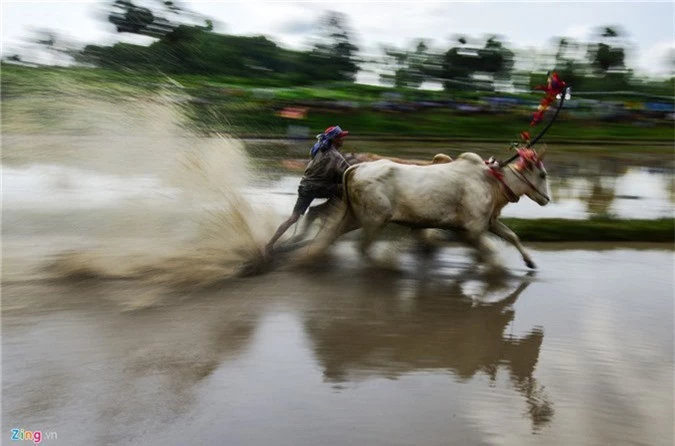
186 43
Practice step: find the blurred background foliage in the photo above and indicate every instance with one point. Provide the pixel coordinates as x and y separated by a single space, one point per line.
247 85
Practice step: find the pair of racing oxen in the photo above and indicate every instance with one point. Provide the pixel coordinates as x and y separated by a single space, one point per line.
465 195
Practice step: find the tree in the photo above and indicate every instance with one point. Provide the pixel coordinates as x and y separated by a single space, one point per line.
495 59
458 66
604 55
567 65
462 63
409 67
334 56
130 18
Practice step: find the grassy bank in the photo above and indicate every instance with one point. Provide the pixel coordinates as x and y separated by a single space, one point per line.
235 107
593 230
560 230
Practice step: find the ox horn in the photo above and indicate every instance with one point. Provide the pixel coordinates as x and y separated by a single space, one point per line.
541 154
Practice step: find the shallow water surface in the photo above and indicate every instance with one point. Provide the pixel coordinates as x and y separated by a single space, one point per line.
124 321
577 353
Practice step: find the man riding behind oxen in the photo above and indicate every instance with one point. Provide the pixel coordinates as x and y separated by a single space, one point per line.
465 196
322 177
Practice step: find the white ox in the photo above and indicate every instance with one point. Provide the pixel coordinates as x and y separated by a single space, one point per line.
466 196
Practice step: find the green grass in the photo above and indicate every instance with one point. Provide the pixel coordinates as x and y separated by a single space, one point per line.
560 230
236 106
593 230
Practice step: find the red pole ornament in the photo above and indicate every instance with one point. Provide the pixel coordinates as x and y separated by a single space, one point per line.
554 86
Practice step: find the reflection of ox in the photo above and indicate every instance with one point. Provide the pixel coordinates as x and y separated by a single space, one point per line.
438 329
466 195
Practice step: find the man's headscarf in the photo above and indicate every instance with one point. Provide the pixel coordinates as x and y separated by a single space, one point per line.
325 139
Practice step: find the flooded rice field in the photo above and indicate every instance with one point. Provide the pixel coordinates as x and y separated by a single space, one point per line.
577 353
124 322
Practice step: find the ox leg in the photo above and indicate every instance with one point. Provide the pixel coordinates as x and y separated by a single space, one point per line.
486 252
503 231
321 211
346 224
426 241
367 239
335 227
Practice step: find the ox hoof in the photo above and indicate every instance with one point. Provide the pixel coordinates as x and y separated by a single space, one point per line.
530 264
426 248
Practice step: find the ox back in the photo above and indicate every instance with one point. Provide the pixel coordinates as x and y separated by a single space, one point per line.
455 195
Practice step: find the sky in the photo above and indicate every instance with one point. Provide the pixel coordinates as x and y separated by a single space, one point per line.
648 26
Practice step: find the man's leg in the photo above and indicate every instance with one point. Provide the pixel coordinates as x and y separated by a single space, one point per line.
300 207
282 229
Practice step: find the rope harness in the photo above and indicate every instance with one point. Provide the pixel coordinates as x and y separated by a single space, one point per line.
497 173
528 182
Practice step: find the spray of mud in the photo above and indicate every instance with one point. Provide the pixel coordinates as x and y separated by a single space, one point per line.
199 236
226 230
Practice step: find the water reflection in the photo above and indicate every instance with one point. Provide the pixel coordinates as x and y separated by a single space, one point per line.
73 359
600 196
643 191
391 329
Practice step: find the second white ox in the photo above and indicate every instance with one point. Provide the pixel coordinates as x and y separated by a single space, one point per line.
466 196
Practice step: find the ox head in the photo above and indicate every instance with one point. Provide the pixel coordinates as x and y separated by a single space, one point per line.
529 168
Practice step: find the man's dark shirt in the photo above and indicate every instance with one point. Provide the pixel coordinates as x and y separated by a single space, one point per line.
326 168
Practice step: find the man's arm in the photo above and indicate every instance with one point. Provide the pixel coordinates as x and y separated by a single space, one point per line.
341 163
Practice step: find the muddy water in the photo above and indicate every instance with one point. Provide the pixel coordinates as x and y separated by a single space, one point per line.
578 353
123 321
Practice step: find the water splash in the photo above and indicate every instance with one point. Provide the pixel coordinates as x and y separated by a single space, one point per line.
189 225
